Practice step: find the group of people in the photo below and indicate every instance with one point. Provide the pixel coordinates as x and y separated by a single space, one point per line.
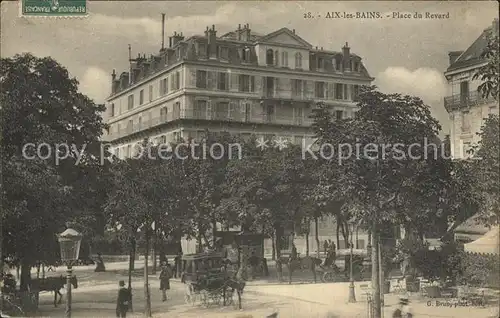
125 296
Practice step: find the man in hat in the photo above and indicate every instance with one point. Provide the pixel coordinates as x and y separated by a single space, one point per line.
123 301
403 310
165 275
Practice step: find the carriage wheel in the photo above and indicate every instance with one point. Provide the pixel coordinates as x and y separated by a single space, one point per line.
328 277
229 297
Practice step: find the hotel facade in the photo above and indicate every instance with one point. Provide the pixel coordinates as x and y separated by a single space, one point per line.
241 83
466 107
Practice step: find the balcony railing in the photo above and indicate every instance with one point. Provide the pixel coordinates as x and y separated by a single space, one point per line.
461 100
239 117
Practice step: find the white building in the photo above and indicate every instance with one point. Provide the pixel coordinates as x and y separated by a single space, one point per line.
465 105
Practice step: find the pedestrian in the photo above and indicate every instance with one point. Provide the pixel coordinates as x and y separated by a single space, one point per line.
403 310
123 301
165 275
325 247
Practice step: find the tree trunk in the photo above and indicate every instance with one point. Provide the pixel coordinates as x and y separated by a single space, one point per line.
131 262
338 234
273 246
345 232
307 243
279 268
153 254
147 296
375 274
316 236
25 274
357 238
214 230
199 248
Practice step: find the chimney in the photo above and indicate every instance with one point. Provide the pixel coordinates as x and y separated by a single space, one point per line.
176 38
494 27
238 32
247 32
163 31
212 43
293 31
346 57
454 56
114 83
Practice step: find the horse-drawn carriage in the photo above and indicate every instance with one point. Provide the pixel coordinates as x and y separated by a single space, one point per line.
208 280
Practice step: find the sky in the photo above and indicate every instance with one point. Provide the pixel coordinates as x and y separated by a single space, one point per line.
406 56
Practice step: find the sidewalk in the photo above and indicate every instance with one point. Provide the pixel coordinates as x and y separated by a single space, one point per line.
336 295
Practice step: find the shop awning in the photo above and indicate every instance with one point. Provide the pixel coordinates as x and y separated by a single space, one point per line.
487 244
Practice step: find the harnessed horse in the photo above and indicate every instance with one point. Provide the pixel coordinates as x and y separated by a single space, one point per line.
300 263
53 284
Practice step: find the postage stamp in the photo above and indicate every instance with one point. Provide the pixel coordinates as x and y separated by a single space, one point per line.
53 8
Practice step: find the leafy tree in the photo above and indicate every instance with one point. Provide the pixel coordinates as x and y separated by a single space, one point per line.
488 74
487 169
40 103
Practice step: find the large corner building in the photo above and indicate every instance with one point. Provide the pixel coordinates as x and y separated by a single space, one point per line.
465 105
240 82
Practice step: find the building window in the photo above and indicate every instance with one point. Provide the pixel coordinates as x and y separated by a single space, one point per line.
269 113
222 110
200 109
150 93
338 63
355 92
321 63
284 59
355 66
130 102
297 140
269 57
297 88
276 58
224 53
177 80
222 82
202 50
465 121
164 114
285 242
464 93
247 112
130 126
112 109
339 91
339 114
201 79
163 86
163 139
141 97
247 55
177 110
298 60
246 83
320 89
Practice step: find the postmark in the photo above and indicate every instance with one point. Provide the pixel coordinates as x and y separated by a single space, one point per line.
53 8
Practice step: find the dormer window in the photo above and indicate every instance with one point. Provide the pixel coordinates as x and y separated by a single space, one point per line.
245 55
298 60
321 63
202 50
269 57
224 53
338 63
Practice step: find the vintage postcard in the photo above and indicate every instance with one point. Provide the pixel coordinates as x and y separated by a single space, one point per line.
287 159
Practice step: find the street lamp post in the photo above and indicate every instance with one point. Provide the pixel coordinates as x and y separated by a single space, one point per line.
352 295
69 242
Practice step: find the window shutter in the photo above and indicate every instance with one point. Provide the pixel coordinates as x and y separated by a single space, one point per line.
211 80
192 76
234 81
252 83
209 109
331 90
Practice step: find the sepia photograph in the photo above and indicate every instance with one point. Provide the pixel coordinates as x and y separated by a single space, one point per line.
249 159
